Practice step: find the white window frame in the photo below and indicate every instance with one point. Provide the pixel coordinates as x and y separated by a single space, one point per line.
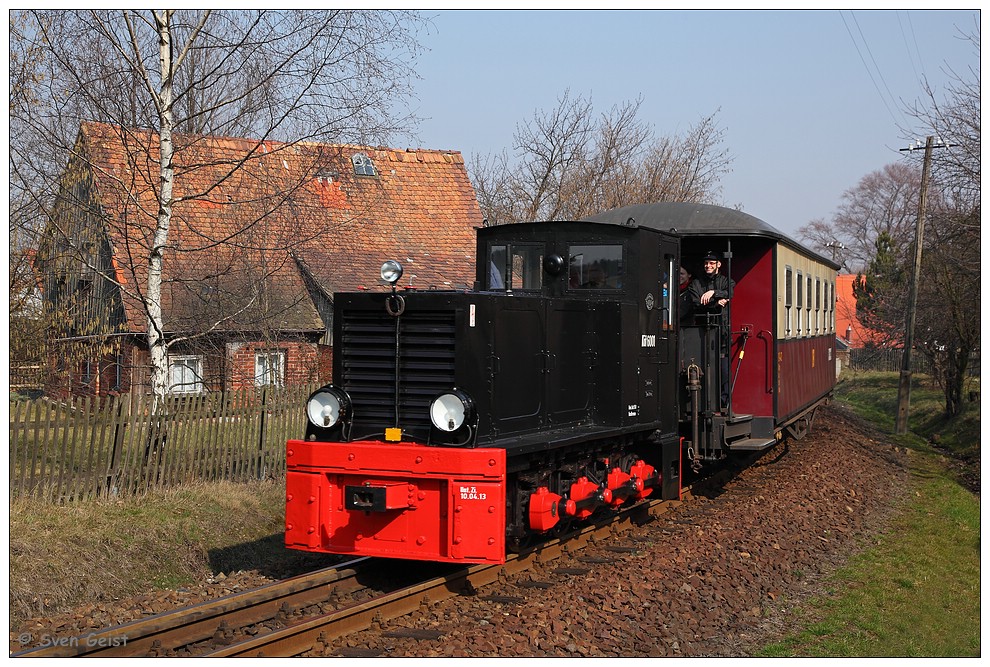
263 368
192 377
363 165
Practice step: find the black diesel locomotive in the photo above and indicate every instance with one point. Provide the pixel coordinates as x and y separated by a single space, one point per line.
569 381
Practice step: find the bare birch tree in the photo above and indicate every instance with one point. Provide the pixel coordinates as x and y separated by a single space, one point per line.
286 75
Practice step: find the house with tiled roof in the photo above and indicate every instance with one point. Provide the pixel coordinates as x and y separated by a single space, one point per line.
262 234
848 327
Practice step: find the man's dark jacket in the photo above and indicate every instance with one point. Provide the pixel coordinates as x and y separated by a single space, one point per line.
722 285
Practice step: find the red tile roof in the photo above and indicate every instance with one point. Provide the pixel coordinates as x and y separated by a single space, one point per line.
246 208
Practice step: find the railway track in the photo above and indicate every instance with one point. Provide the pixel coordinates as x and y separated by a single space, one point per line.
292 616
189 626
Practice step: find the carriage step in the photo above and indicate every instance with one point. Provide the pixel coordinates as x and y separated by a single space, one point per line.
752 444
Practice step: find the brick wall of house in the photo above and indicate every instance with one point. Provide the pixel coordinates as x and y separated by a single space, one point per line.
302 363
326 363
229 367
76 370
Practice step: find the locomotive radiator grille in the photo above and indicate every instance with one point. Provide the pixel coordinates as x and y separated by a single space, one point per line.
368 359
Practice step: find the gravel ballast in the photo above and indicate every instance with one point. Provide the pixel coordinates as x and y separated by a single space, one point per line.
714 577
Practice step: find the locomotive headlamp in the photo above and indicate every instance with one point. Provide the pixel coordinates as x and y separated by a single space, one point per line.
451 410
391 272
327 406
553 264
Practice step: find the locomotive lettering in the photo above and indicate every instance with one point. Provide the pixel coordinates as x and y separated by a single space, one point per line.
649 340
471 493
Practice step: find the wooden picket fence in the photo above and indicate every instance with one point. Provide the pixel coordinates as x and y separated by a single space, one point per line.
90 447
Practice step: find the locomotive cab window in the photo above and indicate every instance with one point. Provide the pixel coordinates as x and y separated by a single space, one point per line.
595 267
516 267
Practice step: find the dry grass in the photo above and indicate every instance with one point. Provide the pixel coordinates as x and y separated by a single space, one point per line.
61 556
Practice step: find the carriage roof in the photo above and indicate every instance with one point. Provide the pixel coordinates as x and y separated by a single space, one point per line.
688 219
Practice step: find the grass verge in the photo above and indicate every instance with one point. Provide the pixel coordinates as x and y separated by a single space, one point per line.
916 592
64 555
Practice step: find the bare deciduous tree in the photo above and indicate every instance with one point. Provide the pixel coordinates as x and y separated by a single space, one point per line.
883 202
948 319
571 162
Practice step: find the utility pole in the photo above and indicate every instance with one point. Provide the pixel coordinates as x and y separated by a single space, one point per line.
836 247
904 387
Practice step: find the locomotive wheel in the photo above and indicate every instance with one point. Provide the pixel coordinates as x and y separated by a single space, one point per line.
564 527
520 544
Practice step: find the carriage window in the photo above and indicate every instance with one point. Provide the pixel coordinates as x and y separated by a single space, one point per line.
517 267
788 298
595 267
800 301
831 305
818 305
825 322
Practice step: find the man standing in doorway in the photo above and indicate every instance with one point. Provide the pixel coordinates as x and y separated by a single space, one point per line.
712 292
712 289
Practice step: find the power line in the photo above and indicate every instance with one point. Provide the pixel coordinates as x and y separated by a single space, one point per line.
907 46
877 67
870 71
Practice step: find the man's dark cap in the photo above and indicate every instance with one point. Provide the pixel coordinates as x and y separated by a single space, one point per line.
711 255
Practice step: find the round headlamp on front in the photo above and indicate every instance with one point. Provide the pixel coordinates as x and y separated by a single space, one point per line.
451 410
328 406
391 272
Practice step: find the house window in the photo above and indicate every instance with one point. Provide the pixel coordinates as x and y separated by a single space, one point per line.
363 166
269 368
185 374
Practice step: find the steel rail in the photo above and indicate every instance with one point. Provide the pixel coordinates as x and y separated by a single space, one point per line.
178 628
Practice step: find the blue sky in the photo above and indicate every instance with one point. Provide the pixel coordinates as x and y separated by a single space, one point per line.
810 101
